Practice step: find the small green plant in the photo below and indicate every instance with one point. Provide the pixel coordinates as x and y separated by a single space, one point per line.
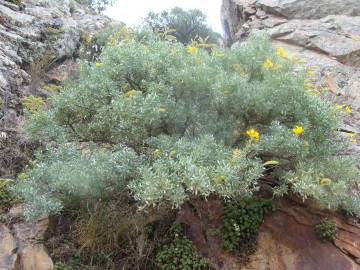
62 266
179 253
6 197
52 88
32 103
42 62
326 230
4 218
241 222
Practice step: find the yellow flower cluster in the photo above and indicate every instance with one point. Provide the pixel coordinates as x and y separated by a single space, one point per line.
192 50
325 181
341 107
162 110
298 130
351 136
32 103
157 152
172 153
52 88
220 179
347 109
99 64
281 52
268 64
253 134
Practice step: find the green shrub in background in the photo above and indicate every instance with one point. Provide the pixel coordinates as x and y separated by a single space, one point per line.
96 5
241 222
166 123
326 230
62 266
4 218
187 24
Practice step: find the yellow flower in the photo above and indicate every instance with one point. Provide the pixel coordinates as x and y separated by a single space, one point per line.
281 52
337 108
131 93
268 64
172 153
99 64
221 178
157 152
237 152
310 73
313 92
162 110
309 85
325 181
351 136
253 134
192 50
298 130
344 106
347 109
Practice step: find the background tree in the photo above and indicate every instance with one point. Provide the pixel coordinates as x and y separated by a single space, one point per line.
97 5
188 24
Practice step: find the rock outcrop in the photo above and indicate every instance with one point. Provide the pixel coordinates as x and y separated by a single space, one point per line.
328 39
20 244
325 34
35 37
287 239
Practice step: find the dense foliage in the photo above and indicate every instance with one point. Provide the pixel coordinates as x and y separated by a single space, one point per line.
6 198
241 222
326 230
165 123
179 253
187 25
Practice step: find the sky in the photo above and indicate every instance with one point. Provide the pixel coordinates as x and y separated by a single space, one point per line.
131 11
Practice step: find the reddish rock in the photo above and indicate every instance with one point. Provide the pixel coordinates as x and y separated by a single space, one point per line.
202 218
287 240
30 231
20 247
34 257
8 254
